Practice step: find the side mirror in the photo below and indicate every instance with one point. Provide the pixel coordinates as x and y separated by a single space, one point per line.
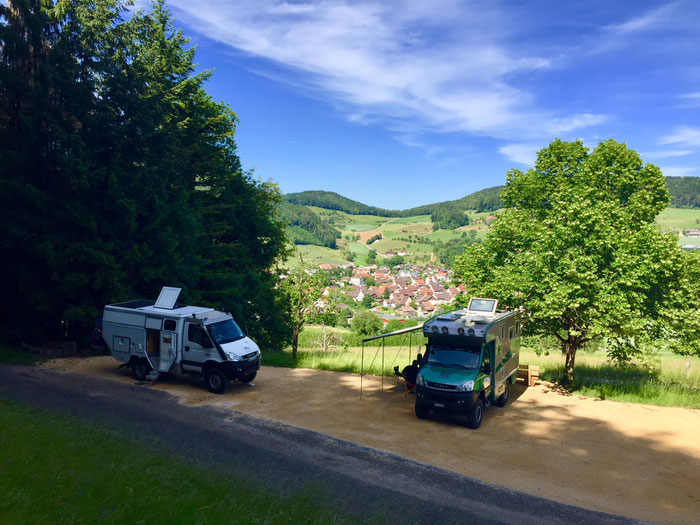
206 343
487 368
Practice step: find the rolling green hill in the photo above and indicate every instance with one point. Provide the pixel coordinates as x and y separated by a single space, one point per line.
333 201
330 227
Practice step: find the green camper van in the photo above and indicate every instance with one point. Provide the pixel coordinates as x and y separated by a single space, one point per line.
470 360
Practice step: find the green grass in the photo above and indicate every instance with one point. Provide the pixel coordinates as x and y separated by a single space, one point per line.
678 218
55 469
14 356
669 385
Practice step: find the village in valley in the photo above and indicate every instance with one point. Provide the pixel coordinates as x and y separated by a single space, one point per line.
403 291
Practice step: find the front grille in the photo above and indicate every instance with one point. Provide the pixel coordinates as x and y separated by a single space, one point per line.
248 356
441 386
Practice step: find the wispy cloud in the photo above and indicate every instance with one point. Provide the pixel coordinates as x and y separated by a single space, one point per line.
650 20
665 154
678 171
521 153
441 66
613 36
684 135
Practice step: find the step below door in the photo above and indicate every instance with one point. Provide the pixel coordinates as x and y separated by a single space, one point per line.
168 350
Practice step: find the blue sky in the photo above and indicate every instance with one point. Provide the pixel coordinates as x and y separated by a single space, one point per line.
403 103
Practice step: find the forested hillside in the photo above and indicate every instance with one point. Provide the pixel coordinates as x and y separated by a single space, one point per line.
333 201
685 191
487 199
119 175
305 227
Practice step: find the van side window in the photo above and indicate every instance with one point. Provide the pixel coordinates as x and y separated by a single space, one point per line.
169 324
503 331
195 334
511 330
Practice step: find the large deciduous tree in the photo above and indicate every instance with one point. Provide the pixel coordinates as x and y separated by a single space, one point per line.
576 247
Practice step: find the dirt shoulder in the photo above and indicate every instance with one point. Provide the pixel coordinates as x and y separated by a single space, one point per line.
634 460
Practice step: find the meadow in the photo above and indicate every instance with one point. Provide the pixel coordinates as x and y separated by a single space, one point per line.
674 382
415 234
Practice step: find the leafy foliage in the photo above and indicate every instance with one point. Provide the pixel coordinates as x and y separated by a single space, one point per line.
577 248
366 324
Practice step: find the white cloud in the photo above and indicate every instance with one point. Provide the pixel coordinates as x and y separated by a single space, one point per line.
432 66
684 135
521 153
646 22
665 154
678 171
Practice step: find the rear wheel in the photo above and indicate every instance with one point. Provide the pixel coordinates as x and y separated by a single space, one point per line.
503 398
476 414
421 411
140 369
215 380
249 378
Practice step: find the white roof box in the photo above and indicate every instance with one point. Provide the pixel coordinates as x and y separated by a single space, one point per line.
168 298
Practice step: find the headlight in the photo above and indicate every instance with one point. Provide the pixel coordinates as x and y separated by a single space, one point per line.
419 380
234 357
467 386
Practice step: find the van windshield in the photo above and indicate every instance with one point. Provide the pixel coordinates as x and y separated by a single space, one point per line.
225 331
454 357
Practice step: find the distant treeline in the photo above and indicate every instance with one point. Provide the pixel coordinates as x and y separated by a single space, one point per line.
119 174
685 191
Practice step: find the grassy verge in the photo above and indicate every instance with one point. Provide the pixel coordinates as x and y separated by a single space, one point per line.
671 384
57 470
15 356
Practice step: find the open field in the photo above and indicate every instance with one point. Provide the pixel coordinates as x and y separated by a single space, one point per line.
401 233
679 218
635 460
59 470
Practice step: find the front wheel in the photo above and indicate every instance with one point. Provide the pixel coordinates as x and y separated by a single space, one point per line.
249 378
421 411
215 380
503 398
476 414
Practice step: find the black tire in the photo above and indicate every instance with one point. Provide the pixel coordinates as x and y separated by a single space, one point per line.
503 398
215 380
476 414
421 411
249 378
140 369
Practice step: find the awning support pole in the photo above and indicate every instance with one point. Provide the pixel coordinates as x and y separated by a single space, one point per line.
362 367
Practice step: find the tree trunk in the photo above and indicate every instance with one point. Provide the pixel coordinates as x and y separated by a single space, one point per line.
295 342
570 352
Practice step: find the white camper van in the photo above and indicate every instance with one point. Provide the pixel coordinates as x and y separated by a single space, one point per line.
165 337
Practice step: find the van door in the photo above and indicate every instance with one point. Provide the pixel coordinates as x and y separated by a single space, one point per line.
197 348
168 350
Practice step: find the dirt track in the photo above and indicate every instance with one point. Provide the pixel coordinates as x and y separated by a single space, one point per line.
635 460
